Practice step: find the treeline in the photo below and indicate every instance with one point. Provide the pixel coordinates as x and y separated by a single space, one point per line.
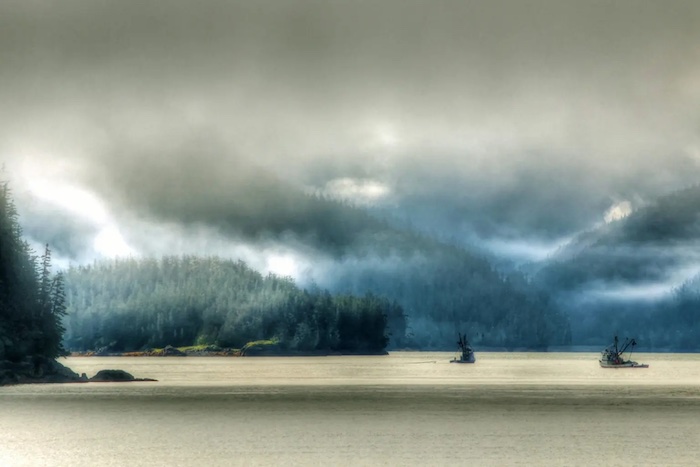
133 304
32 300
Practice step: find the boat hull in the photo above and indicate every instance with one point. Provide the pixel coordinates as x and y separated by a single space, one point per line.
623 365
471 360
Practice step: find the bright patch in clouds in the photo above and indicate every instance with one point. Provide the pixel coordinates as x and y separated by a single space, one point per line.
110 243
618 211
282 265
359 191
72 199
81 203
524 250
386 135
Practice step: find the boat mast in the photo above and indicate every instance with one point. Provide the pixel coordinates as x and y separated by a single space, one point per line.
628 342
631 345
462 343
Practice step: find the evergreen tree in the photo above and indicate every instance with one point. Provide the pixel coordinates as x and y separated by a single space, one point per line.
30 316
55 330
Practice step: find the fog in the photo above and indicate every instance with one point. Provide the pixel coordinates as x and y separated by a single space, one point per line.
510 126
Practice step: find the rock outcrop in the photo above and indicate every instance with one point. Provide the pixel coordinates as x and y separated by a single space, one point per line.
37 370
170 351
115 376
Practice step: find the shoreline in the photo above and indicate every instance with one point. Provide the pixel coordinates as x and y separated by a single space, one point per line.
331 353
232 353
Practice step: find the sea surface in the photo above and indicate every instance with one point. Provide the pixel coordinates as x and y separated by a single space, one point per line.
407 408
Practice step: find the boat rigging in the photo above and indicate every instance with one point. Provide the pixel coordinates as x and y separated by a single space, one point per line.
612 355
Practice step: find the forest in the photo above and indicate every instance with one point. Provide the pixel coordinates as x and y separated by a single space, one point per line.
135 304
130 304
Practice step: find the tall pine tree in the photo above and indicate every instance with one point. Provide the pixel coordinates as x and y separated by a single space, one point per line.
32 302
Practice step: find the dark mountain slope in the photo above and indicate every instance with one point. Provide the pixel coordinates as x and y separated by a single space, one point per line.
634 276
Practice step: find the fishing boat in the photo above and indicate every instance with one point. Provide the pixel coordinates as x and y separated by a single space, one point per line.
612 355
466 352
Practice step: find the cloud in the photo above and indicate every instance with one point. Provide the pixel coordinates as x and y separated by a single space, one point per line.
641 291
73 222
522 250
484 119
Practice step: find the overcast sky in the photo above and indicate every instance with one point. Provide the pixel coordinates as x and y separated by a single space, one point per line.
513 124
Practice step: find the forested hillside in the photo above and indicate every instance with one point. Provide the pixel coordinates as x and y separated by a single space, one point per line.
137 304
444 289
634 276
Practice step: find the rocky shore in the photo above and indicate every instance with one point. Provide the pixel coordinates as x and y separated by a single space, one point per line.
39 370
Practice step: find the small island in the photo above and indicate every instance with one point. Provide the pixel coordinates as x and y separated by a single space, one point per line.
115 376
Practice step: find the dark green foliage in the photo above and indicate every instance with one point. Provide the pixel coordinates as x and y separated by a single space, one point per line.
137 304
31 299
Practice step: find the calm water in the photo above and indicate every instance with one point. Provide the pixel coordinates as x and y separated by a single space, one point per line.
404 409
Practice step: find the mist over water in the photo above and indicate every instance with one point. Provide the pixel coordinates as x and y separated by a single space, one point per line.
404 409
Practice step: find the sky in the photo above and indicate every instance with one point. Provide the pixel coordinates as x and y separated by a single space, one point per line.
133 127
